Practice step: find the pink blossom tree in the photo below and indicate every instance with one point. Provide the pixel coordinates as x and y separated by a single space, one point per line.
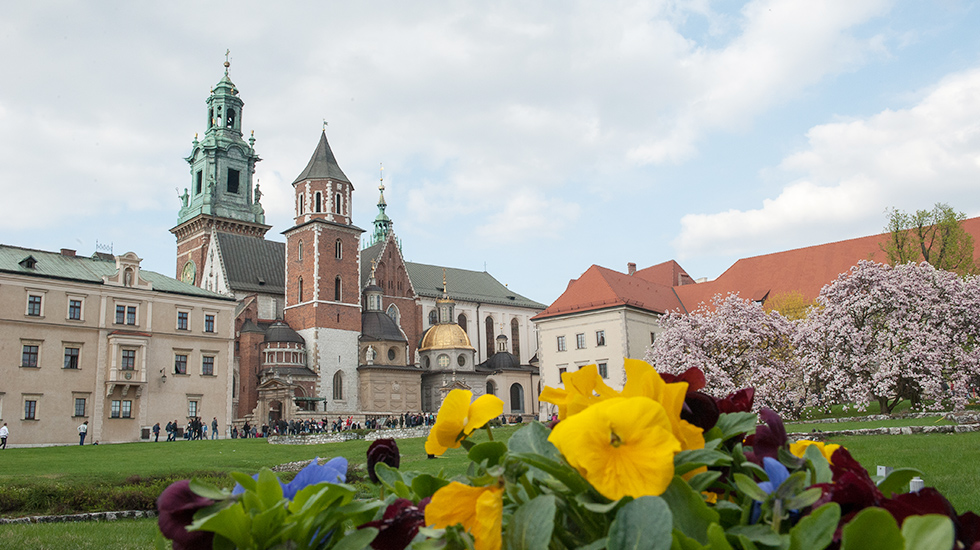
891 333
737 344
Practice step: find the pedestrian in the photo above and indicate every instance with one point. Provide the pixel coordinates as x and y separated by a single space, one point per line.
204 431
214 428
3 436
156 432
82 432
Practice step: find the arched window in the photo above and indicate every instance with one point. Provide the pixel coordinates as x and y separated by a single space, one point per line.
338 249
336 204
300 206
517 398
336 289
489 324
317 200
338 385
299 290
299 250
433 317
461 321
515 338
491 388
393 313
231 119
211 117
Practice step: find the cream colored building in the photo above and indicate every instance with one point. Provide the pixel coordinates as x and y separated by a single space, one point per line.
100 340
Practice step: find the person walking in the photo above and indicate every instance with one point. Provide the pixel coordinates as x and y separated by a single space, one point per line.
3 436
214 428
156 432
82 432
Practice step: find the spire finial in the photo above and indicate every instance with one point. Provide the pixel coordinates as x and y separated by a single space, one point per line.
445 293
227 61
382 186
325 124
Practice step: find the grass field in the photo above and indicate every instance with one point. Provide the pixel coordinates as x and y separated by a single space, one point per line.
857 425
947 461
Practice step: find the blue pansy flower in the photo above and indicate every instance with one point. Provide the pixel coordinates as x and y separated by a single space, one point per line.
777 475
333 471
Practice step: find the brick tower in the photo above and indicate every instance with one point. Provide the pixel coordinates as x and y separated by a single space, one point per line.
220 197
323 298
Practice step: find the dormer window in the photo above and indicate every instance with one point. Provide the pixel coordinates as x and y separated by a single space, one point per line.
28 262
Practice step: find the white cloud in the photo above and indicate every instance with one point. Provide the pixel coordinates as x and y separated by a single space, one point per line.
853 170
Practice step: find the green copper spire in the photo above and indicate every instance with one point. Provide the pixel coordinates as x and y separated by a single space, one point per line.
382 223
223 163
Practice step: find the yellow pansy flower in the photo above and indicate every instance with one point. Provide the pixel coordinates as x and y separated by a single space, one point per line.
583 387
622 446
478 509
458 418
827 450
643 380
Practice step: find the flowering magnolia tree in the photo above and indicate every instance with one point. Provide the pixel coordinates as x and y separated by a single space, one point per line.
891 333
736 344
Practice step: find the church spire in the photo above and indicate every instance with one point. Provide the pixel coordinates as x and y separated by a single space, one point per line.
382 223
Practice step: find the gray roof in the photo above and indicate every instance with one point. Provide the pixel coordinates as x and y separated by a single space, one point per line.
465 285
252 264
376 325
323 164
53 265
281 332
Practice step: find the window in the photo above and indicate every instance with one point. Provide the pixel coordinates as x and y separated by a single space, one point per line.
120 315
125 315
207 365
580 341
653 337
130 315
562 371
317 201
516 398
392 354
233 178
198 180
299 250
600 337
192 408
182 318
515 337
336 204
461 321
121 409
209 323
491 389
461 360
338 250
336 289
433 317
34 305
29 355
443 361
301 207
561 343
30 409
75 310
603 370
71 358
180 364
128 359
299 289
79 406
127 409
338 385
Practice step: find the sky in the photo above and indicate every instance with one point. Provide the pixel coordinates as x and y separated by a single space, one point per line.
529 139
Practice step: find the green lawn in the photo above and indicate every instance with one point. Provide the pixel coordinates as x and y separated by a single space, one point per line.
937 420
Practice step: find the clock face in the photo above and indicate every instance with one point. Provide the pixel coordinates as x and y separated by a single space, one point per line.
189 272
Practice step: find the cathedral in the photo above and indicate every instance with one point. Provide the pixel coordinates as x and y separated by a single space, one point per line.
333 322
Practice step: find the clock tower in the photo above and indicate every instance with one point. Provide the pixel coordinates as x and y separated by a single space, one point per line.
220 196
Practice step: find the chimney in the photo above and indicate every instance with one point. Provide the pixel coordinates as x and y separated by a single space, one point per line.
68 252
631 268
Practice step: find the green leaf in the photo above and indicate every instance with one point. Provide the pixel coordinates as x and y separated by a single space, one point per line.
232 523
817 529
791 486
804 499
266 526
208 491
702 481
749 487
388 476
929 532
491 451
701 457
244 480
733 424
821 468
643 524
531 525
759 471
562 472
872 529
357 539
680 541
425 485
587 502
717 538
268 488
594 545
761 534
898 481
402 490
691 514
533 439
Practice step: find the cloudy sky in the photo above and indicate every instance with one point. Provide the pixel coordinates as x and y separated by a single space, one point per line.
533 139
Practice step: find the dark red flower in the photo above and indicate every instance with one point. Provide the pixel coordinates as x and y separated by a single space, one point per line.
693 376
177 505
768 439
700 409
399 525
382 450
740 401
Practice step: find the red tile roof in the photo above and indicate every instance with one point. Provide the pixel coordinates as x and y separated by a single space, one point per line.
667 286
601 288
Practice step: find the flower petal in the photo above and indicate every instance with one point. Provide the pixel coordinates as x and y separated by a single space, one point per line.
450 421
481 411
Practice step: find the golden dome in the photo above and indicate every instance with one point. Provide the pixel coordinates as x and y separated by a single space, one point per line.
445 336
